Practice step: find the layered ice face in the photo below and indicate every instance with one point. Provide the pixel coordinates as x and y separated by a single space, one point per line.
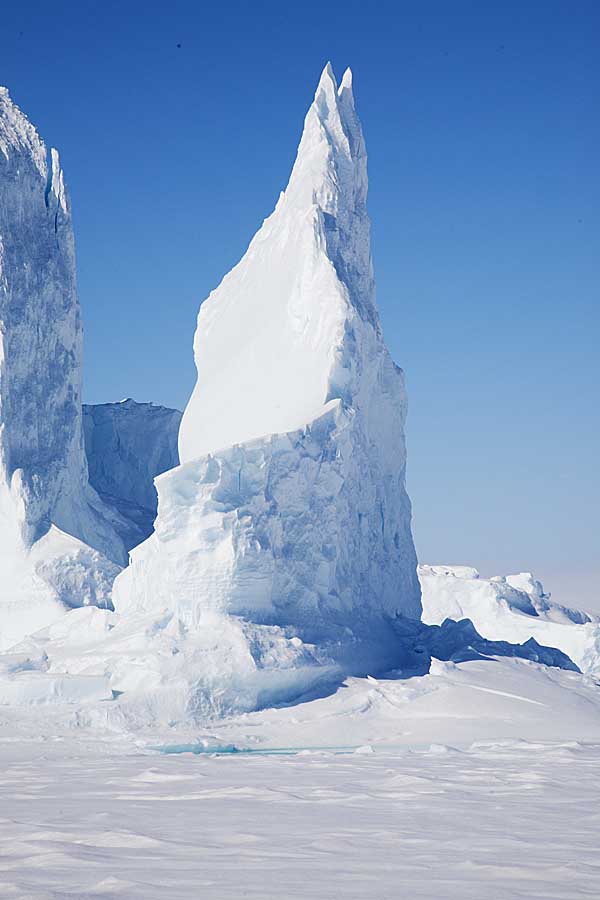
127 445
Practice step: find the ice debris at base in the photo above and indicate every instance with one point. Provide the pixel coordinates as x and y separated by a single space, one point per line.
146 667
510 608
127 445
58 543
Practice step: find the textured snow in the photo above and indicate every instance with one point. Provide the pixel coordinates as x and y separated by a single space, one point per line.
289 510
55 533
148 666
511 608
479 780
127 445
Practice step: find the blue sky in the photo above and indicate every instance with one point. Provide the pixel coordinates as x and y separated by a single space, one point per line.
482 127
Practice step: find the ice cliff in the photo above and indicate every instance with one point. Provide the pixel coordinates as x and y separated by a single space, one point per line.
127 445
289 511
57 541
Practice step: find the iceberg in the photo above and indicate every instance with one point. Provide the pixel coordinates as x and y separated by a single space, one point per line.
285 532
58 543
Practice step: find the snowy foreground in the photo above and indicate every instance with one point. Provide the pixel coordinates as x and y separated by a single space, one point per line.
377 808
505 821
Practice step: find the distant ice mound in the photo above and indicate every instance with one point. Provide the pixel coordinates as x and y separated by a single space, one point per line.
127 445
511 608
289 510
58 545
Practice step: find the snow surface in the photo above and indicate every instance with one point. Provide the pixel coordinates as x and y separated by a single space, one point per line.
145 666
52 523
512 608
479 780
285 532
127 445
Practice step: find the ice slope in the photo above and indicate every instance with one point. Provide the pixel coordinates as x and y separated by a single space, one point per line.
127 445
52 523
289 511
513 608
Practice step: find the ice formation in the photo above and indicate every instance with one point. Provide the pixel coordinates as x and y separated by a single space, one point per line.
511 608
58 545
282 558
127 445
283 538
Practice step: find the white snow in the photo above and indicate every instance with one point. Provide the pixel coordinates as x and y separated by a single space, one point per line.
513 608
483 780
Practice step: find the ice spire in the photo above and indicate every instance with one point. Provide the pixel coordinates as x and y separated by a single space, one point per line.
288 523
277 376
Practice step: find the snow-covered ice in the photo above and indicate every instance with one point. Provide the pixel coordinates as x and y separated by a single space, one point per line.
510 608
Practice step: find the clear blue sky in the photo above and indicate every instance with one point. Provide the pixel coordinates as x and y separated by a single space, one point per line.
483 133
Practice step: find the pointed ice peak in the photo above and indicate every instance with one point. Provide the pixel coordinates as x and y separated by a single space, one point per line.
350 119
326 96
18 135
327 81
346 99
56 180
334 110
332 153
328 90
346 84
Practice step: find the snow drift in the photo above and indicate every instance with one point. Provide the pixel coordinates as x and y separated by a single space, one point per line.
57 541
511 608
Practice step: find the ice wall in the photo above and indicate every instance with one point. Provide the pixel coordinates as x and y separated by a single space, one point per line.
127 445
48 512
